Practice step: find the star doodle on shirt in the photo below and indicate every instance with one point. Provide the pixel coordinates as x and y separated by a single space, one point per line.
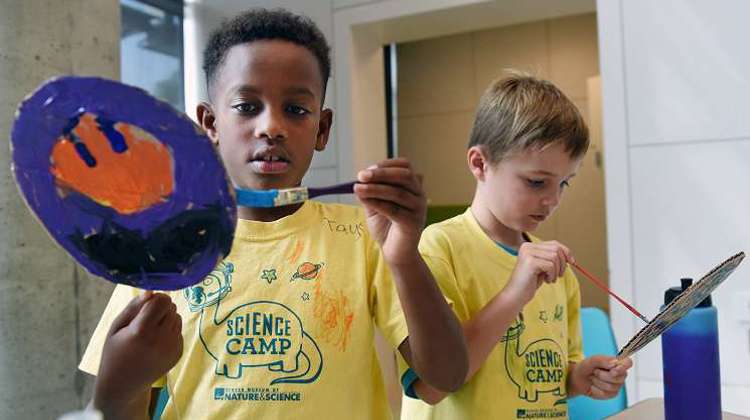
269 275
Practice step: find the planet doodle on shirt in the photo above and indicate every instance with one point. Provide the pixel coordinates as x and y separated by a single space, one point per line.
129 187
307 271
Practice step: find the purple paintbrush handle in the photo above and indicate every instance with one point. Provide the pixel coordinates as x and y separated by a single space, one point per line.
345 188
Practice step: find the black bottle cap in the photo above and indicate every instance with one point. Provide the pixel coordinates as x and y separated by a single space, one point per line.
671 293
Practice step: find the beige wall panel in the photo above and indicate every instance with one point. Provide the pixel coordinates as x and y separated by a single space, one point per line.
573 53
436 76
436 145
520 47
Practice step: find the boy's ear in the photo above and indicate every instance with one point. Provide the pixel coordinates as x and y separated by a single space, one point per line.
324 129
207 121
477 161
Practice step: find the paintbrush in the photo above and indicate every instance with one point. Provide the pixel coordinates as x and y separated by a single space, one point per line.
287 196
602 286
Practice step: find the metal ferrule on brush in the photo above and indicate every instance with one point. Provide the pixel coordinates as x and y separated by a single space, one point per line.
291 196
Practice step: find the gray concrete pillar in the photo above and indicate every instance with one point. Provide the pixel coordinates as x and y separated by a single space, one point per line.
48 306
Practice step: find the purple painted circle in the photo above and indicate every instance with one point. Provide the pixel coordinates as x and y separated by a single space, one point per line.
169 245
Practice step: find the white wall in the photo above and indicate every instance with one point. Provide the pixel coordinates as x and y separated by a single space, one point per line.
675 78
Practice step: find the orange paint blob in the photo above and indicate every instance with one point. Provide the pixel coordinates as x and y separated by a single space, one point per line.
129 182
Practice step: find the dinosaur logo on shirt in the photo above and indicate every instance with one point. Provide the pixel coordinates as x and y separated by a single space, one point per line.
537 368
258 334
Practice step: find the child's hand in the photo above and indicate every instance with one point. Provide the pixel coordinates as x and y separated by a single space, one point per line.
396 207
599 377
537 263
144 342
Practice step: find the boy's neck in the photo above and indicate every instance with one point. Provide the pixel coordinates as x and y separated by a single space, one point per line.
266 214
497 231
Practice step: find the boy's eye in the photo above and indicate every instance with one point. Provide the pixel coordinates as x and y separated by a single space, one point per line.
535 183
565 184
297 110
246 108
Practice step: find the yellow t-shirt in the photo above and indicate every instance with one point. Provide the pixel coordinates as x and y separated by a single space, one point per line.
283 327
524 376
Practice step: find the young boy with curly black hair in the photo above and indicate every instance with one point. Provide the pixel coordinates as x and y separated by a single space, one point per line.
283 328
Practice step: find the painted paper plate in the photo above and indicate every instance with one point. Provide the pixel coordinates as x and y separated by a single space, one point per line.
681 305
131 188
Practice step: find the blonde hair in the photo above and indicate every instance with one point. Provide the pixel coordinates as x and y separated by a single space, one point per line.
519 112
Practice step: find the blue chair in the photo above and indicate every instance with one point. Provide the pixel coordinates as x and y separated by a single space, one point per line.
598 338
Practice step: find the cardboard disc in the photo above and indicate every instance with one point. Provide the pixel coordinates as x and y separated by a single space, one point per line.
129 187
681 305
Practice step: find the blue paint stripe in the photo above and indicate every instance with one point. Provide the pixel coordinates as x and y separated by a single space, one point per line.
85 154
116 139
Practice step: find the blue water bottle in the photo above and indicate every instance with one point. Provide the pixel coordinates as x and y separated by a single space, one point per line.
690 354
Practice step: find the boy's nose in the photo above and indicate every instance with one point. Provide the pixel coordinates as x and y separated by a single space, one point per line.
553 199
270 125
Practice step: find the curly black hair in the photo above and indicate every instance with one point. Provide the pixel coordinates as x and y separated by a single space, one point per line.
258 24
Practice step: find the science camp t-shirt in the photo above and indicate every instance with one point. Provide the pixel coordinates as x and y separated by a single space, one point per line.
524 377
283 327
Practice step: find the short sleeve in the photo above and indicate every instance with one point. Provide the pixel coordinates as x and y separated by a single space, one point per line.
436 250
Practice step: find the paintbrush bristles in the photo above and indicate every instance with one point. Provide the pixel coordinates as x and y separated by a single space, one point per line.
289 196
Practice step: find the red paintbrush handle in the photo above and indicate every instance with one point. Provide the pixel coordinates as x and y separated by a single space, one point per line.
602 286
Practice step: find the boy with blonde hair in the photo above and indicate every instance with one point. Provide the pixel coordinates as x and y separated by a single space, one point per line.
515 295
